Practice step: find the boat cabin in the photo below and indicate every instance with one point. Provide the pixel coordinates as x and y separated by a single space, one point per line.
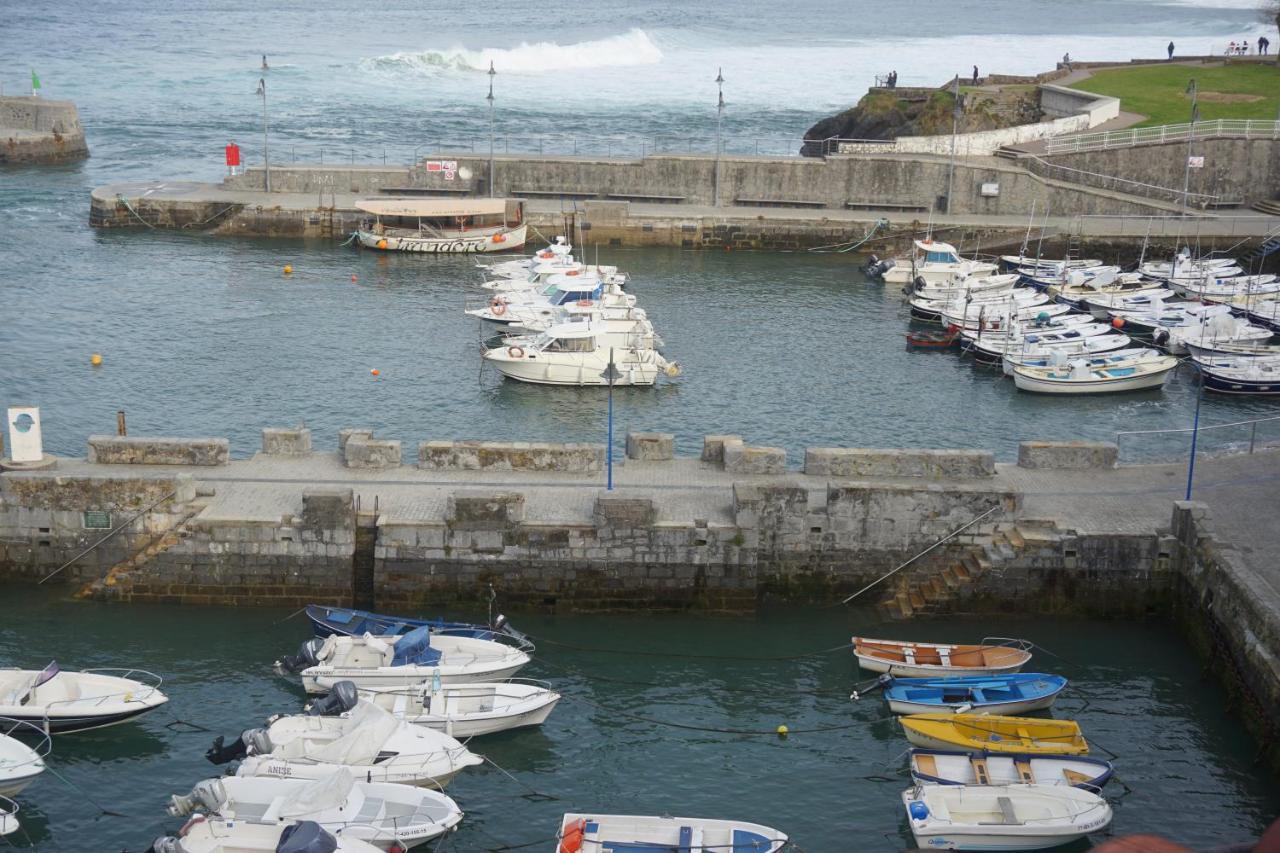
567 337
937 252
447 218
565 290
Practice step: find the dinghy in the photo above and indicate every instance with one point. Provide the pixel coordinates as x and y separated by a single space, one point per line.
346 622
64 701
20 764
8 817
368 741
411 658
1002 817
459 710
1246 376
991 733
1061 356
383 814
600 833
937 767
1080 376
218 835
925 660
1015 693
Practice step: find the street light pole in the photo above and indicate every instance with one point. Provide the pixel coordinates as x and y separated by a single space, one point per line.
489 98
1191 132
719 121
955 120
611 374
1195 432
266 157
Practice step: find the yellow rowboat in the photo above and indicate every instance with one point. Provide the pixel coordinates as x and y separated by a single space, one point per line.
980 732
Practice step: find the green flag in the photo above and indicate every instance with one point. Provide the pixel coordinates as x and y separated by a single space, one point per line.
35 81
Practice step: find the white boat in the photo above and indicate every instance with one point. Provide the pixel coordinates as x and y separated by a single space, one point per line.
381 813
468 710
993 347
369 742
935 262
964 286
20 763
941 767
1100 305
1264 312
1096 351
410 658
539 275
574 354
1074 277
1237 288
626 326
442 225
558 251
602 833
1002 817
528 306
930 307
1183 324
1107 287
1234 351
995 316
219 835
1234 375
8 817
1184 266
1080 377
59 700
1016 261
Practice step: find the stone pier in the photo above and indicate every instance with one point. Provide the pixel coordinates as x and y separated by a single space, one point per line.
35 130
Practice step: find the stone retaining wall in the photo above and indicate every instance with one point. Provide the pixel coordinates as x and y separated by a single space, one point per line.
511 456
1068 455
860 462
134 450
36 130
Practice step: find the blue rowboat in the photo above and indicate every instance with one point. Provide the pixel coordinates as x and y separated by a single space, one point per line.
939 767
1011 694
346 622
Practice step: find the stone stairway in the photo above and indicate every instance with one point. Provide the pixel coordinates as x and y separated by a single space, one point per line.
935 587
107 586
1271 206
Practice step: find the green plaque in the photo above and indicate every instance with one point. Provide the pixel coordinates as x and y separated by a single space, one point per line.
97 520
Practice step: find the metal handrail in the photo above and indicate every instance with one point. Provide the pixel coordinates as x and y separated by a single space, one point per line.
1105 140
1139 188
122 526
1199 429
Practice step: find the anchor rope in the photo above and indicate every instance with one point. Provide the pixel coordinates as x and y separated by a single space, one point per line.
835 248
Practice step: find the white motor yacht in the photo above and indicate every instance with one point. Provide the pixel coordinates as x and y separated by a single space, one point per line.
459 710
59 700
935 262
578 354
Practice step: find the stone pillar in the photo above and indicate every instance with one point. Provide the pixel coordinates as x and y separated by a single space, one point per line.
282 441
650 446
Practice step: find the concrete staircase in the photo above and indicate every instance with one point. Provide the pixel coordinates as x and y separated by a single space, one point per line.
937 586
1271 206
105 586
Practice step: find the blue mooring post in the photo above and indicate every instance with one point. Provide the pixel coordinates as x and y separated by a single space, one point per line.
1195 432
610 374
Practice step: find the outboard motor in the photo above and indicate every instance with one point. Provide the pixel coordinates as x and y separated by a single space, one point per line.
339 700
920 283
876 268
208 796
166 844
308 655
306 837
250 742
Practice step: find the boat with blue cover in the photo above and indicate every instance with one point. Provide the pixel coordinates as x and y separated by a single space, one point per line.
942 767
1011 693
348 622
584 833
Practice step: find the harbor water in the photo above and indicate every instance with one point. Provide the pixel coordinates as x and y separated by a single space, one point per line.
655 719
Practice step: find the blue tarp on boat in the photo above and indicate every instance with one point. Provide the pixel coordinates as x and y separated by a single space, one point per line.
346 622
415 648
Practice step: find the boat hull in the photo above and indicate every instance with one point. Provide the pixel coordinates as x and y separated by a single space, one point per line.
513 238
475 726
952 767
13 785
320 679
1226 385
79 722
1020 706
346 622
1037 385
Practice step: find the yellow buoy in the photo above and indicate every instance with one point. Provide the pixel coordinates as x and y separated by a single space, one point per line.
782 731
95 360
288 269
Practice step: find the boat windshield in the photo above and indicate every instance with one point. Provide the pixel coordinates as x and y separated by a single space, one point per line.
563 297
940 258
549 343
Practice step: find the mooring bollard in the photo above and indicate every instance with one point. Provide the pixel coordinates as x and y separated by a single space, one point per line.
121 429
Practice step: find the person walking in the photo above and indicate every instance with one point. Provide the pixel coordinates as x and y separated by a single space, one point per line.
1066 60
1171 50
975 75
1264 44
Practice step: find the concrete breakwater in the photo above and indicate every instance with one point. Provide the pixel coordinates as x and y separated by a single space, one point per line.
33 130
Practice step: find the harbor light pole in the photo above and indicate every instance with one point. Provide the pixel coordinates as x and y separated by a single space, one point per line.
489 98
955 121
719 121
266 157
1191 132
1195 431
610 374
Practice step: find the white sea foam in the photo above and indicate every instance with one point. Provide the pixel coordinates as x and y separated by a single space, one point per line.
627 49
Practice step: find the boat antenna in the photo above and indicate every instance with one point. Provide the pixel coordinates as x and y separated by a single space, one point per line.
1142 257
1040 243
1026 238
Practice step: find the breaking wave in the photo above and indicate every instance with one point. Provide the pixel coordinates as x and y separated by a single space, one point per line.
631 48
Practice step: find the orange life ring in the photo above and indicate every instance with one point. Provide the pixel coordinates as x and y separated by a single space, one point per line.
546 254
584 303
515 351
499 238
571 838
498 306
574 272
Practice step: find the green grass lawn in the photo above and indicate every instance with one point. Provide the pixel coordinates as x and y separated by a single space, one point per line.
1159 91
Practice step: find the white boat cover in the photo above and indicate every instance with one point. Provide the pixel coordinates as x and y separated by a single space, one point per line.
331 792
366 729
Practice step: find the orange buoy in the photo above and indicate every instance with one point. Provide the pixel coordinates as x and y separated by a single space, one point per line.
1117 322
375 372
353 277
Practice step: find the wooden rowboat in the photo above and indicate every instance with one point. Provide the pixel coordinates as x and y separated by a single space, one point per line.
934 340
939 767
924 660
991 733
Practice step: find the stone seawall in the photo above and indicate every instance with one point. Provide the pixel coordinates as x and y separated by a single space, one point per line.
34 130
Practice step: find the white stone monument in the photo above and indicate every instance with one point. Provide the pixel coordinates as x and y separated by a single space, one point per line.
26 447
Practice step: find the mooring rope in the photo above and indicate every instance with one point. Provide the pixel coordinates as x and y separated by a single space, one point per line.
836 248
688 656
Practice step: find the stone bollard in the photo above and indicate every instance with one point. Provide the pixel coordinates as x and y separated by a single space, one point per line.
361 452
713 447
742 459
283 441
1068 455
650 446
345 435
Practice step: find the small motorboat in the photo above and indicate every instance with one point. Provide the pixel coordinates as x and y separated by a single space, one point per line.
1047 264
408 659
1246 376
1002 817
997 316
938 767
1080 376
383 814
1062 356
8 817
64 701
579 354
1238 287
991 348
934 340
368 741
558 251
228 835
1209 353
20 764
1012 693
459 710
1100 305
347 622
925 660
651 834
991 733
934 261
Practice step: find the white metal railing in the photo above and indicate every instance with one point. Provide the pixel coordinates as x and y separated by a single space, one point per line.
1252 424
1103 140
1045 169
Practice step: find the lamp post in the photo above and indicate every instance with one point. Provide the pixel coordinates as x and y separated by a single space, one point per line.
1195 432
955 121
266 158
489 98
610 374
1191 132
719 121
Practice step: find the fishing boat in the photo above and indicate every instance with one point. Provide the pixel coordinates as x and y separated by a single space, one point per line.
223 835
998 316
1263 312
385 815
929 306
1240 287
348 622
442 225
368 741
458 710
601 833
964 286
934 340
1002 817
410 658
1184 266
579 355
991 347
21 764
1232 351
1060 357
940 767
8 817
934 261
1013 262
1244 376
1080 376
1100 305
925 660
1072 278
1109 287
61 701
1012 693
993 733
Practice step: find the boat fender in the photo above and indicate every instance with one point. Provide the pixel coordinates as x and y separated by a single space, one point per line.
515 352
584 303
186 827
574 272
918 810
571 840
499 238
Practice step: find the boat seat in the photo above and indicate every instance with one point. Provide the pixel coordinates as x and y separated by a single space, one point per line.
1006 810
927 764
980 771
1024 771
1025 735
371 810
1075 777
270 815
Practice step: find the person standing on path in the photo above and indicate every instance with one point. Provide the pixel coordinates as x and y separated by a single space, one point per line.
1263 44
1171 50
975 75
